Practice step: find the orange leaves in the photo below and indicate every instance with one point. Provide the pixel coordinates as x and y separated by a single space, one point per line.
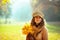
26 29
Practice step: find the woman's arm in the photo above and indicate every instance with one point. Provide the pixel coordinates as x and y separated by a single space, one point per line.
45 34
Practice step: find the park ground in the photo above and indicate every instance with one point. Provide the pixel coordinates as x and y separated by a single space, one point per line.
14 31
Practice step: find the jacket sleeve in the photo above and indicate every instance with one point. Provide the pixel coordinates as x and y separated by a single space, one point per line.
45 34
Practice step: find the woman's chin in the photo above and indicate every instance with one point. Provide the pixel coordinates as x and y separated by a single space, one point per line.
37 22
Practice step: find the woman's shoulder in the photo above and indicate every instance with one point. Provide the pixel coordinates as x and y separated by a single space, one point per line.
45 29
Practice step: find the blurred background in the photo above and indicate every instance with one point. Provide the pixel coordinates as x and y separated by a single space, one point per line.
15 13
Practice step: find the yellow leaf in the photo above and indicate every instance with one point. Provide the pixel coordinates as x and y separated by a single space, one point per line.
5 1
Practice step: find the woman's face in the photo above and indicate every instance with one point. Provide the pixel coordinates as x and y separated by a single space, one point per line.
38 19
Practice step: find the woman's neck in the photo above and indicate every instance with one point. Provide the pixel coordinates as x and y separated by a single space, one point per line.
37 23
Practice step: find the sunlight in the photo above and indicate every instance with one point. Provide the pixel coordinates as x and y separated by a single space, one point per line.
21 7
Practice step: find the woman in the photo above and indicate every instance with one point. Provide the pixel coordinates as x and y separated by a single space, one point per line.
36 30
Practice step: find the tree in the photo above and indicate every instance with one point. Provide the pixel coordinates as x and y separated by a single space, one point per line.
6 9
50 8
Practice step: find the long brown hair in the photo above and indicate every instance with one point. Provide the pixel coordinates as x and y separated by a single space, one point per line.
34 24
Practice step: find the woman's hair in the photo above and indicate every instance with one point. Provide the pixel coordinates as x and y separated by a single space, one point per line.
34 24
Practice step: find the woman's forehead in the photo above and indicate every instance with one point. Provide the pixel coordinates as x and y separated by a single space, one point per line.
37 16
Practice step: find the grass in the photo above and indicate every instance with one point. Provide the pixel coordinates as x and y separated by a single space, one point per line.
54 32
13 32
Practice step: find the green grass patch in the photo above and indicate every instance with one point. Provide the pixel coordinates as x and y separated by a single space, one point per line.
53 28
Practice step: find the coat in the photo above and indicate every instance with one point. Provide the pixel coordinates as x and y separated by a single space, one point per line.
38 33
